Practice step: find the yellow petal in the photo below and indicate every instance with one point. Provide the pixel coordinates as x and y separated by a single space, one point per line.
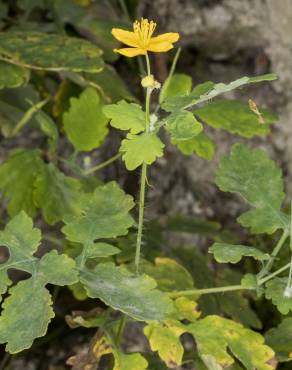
127 37
130 52
163 42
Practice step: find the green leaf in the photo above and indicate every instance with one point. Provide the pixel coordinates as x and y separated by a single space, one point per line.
50 52
208 90
133 361
176 85
259 181
27 310
168 274
57 269
139 149
280 339
216 337
165 340
230 253
235 117
22 241
135 296
17 178
55 193
201 145
103 214
275 290
12 75
182 125
126 116
26 315
84 123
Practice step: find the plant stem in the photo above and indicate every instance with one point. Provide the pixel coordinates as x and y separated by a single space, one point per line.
222 289
273 274
143 177
141 216
103 164
276 250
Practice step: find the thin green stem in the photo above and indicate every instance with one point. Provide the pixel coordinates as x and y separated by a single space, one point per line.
141 216
148 65
273 274
291 226
275 252
143 177
28 115
222 289
103 164
174 63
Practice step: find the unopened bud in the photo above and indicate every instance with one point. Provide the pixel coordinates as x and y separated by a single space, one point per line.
149 82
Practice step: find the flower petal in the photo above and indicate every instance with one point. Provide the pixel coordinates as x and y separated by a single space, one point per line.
163 42
131 52
127 37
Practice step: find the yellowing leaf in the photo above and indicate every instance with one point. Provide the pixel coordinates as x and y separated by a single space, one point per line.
165 340
186 309
139 149
85 123
132 361
217 338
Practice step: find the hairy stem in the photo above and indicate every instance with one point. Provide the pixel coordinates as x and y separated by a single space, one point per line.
275 252
121 327
143 178
273 274
103 164
141 215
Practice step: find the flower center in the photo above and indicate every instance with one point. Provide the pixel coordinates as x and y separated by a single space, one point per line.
144 30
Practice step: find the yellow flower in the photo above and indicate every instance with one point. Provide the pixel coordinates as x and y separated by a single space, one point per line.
141 39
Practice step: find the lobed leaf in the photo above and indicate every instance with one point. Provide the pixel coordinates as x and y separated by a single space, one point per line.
50 52
259 181
182 125
230 253
165 340
102 214
132 361
55 193
27 310
235 117
200 144
135 296
139 149
275 289
85 123
280 339
217 338
126 116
